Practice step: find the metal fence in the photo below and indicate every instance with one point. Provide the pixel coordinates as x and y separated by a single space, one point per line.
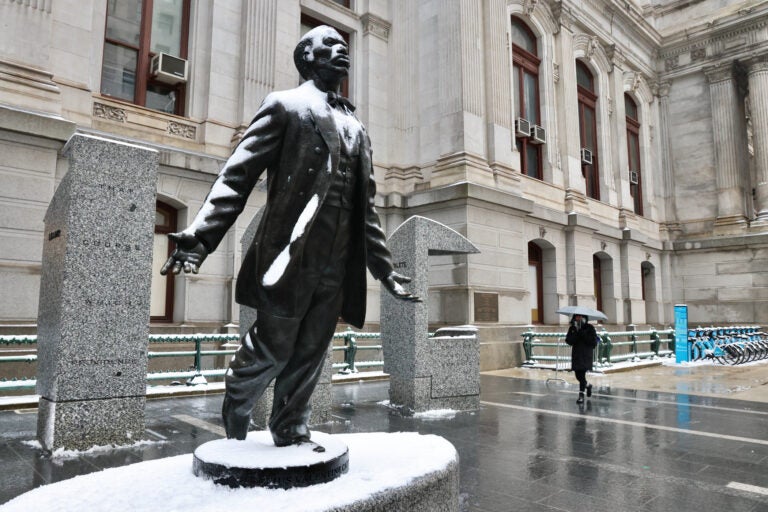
614 347
208 359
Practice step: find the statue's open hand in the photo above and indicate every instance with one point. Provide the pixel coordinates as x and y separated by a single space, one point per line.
188 255
393 284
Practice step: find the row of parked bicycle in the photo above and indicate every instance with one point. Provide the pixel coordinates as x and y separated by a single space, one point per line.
731 345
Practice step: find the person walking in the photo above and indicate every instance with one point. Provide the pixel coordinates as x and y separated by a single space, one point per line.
583 339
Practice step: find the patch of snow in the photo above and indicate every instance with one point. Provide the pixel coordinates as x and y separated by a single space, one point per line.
437 414
278 266
377 462
259 451
62 454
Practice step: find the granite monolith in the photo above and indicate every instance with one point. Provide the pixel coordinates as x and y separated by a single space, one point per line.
426 374
93 320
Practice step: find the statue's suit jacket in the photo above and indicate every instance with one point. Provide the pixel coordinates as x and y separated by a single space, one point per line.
294 138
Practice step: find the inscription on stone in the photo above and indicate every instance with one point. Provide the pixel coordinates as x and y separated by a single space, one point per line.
486 307
94 296
400 264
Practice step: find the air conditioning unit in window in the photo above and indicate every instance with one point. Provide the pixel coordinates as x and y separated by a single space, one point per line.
522 127
168 69
634 177
586 156
538 135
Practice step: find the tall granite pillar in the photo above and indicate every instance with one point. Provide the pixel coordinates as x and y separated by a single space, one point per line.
413 361
322 397
726 128
758 99
93 321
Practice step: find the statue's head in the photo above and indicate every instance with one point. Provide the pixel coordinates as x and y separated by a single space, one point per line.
322 53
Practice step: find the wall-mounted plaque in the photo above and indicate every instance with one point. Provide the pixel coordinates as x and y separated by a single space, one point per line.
486 307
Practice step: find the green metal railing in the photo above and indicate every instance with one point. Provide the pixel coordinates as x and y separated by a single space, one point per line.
604 354
351 348
195 373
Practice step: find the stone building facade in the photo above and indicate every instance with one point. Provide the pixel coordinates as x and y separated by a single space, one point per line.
612 153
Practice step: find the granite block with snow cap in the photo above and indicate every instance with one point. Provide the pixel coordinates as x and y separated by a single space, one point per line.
93 320
425 373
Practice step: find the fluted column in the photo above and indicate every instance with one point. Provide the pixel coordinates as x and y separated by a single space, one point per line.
258 32
667 171
498 91
758 102
568 100
724 100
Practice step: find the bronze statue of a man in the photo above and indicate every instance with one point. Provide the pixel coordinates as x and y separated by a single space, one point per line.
319 231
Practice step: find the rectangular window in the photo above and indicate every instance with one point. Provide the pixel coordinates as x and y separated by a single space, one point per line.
136 31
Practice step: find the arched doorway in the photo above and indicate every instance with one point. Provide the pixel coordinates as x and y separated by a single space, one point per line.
161 299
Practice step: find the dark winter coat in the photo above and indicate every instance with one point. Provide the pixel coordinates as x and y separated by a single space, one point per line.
583 341
294 137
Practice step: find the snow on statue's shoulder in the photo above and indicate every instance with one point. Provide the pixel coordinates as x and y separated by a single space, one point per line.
302 99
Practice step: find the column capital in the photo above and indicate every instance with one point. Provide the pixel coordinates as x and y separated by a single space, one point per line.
563 16
756 64
661 88
616 56
375 25
719 72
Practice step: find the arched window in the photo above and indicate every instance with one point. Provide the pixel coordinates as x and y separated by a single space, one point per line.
588 128
536 282
161 298
633 151
525 62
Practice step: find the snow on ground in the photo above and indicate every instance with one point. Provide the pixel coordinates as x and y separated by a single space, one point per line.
377 462
62 454
437 414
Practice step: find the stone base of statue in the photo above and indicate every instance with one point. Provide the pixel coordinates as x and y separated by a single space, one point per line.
257 462
393 472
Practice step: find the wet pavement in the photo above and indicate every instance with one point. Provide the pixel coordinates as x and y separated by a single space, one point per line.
529 448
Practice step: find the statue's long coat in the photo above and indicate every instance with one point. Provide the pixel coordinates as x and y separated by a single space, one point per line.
294 138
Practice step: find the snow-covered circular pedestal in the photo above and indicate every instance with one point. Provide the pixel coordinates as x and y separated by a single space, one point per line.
400 472
257 462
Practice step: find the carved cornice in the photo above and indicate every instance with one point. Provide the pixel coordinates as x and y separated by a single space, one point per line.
181 130
37 5
376 26
109 112
710 37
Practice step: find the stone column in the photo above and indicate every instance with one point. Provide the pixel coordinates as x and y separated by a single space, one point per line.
498 92
462 96
665 159
568 135
619 132
724 99
257 57
758 101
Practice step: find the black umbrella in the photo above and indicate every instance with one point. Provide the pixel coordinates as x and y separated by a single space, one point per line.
583 311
